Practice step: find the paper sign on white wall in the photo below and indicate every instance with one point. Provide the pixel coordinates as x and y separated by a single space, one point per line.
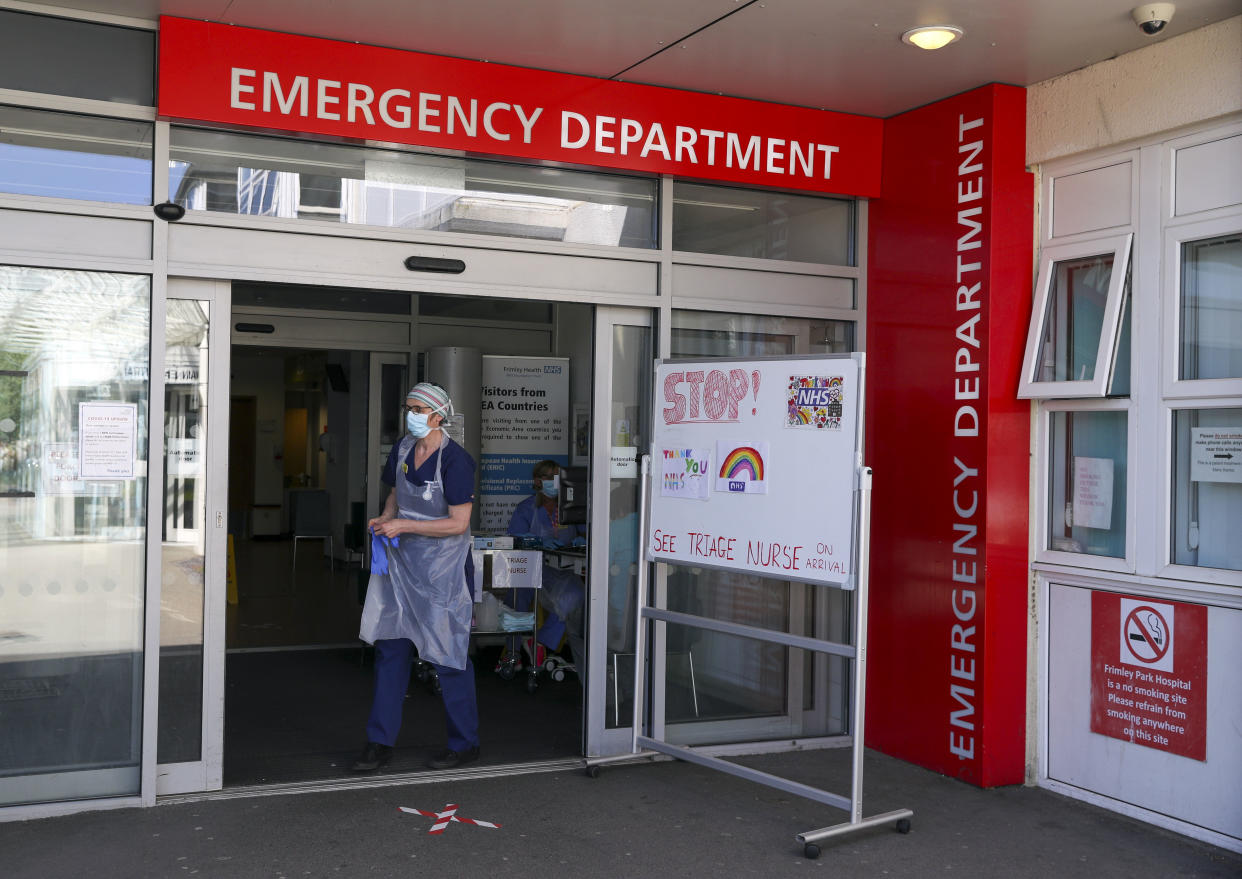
1093 492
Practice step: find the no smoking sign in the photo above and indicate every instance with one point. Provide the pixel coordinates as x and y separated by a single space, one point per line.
1147 634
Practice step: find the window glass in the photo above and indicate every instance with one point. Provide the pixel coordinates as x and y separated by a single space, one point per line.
1207 488
1070 340
79 59
319 298
183 556
630 428
721 334
275 177
1119 384
1211 308
74 363
763 224
1087 483
62 155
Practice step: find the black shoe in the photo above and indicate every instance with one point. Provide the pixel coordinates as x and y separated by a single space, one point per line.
448 758
373 756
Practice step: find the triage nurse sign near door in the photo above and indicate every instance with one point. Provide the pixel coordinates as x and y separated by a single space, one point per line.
755 465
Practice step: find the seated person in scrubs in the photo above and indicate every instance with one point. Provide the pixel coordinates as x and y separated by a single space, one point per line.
563 591
425 600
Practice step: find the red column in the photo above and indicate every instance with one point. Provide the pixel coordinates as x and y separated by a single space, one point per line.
949 295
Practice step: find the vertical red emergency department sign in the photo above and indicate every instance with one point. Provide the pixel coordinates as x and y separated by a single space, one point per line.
947 311
1149 673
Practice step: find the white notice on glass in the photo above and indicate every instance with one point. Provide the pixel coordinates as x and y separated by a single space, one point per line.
1216 454
1093 492
107 440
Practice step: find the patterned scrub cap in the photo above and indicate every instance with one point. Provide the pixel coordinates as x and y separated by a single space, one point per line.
432 396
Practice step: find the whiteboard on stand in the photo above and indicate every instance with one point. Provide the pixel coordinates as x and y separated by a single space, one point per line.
754 465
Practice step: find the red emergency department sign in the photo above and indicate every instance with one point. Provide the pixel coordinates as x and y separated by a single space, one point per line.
261 79
1149 673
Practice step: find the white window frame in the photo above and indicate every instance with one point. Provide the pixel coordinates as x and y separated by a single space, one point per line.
1097 386
1174 237
1043 495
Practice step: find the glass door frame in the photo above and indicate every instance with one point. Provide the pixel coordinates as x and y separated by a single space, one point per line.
206 773
601 740
377 452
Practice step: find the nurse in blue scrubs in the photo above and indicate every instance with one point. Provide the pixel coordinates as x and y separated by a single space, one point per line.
424 601
563 591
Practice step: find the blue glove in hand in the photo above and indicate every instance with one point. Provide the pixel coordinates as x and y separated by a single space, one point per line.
552 543
579 541
379 552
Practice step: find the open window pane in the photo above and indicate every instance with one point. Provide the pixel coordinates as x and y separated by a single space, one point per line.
1211 308
1087 455
1074 319
1207 488
1073 341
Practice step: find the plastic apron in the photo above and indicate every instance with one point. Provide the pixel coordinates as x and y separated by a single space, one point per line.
424 596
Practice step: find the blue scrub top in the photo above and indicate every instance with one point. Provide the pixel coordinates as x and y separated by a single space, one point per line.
456 472
531 520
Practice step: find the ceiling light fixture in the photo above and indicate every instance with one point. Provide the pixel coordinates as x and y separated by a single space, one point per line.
934 36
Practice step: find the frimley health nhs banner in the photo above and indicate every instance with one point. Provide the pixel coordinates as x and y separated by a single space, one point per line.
260 79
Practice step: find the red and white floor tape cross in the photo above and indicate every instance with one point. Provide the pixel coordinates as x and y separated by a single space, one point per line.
446 816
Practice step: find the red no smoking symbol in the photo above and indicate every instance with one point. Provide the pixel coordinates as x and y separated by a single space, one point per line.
1147 634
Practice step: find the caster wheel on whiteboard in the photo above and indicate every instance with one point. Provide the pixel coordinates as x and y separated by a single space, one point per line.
811 851
592 772
532 684
507 672
903 826
558 675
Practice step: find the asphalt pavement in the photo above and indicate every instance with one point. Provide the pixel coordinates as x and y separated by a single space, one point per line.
650 819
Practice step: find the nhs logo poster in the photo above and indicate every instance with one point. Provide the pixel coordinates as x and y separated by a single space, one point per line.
815 401
743 467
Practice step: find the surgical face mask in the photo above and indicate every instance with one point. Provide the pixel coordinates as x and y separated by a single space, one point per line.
551 487
416 424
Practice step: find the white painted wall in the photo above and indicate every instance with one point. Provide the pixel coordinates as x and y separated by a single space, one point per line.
1167 85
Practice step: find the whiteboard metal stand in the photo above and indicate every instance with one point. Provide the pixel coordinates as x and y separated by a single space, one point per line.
644 746
857 821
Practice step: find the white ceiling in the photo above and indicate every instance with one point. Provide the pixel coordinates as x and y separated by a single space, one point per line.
843 55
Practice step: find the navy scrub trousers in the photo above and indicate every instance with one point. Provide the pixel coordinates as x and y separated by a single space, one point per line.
393 661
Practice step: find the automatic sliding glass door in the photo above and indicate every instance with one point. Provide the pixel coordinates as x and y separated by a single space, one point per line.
193 537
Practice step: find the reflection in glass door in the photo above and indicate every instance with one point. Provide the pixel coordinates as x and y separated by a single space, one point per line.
624 352
74 388
193 547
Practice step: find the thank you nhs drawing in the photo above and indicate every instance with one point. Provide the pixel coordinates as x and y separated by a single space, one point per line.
743 467
686 473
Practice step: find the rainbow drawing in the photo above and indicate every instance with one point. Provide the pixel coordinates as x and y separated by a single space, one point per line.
743 468
743 462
